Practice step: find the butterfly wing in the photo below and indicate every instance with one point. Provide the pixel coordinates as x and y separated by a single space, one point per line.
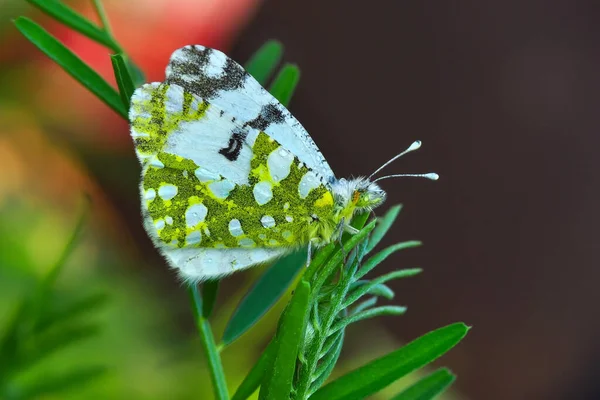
218 79
207 213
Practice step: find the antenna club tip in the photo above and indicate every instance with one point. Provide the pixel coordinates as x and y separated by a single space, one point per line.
433 176
416 145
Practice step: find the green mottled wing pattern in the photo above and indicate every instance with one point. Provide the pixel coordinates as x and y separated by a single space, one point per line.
208 214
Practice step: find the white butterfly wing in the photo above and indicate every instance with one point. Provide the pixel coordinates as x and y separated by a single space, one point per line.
216 78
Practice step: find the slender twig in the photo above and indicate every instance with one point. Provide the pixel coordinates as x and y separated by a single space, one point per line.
103 18
215 366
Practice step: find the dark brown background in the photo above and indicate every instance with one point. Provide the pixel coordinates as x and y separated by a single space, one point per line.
504 95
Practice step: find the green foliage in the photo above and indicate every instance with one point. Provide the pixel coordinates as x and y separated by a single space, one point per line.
428 387
45 323
331 294
263 295
72 64
377 374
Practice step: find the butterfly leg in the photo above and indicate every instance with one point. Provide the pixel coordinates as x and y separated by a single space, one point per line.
309 253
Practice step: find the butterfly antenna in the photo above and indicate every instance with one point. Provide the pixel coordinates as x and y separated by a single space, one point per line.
432 175
415 146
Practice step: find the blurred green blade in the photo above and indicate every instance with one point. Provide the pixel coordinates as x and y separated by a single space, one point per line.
264 294
277 384
383 226
255 377
76 21
124 80
71 64
55 384
377 374
382 255
70 311
210 289
262 64
50 343
429 387
285 83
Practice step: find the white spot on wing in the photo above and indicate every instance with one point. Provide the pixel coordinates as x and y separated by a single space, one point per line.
246 242
308 182
289 218
159 224
263 192
279 163
267 221
169 220
195 214
286 235
235 228
222 188
150 194
167 192
156 163
194 237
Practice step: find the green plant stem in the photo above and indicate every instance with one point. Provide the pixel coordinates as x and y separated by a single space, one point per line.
304 387
215 366
103 18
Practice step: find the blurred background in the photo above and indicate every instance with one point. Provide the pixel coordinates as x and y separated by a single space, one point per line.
504 96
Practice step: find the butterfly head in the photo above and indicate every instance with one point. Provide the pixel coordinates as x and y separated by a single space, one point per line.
364 194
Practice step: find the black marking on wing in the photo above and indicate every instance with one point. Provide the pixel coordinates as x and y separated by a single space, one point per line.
196 60
234 147
269 114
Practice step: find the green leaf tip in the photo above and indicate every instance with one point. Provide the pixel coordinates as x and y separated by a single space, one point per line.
285 83
264 61
377 374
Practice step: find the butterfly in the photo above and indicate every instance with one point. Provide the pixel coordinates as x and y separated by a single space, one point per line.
230 179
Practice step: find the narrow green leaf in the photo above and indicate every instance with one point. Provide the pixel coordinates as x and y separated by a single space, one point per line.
255 377
264 294
278 382
322 255
366 289
137 75
382 255
370 313
123 77
285 83
370 302
335 260
210 289
72 64
54 384
429 387
76 21
328 362
377 374
383 226
379 290
262 64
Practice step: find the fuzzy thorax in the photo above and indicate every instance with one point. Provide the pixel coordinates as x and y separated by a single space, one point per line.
354 196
